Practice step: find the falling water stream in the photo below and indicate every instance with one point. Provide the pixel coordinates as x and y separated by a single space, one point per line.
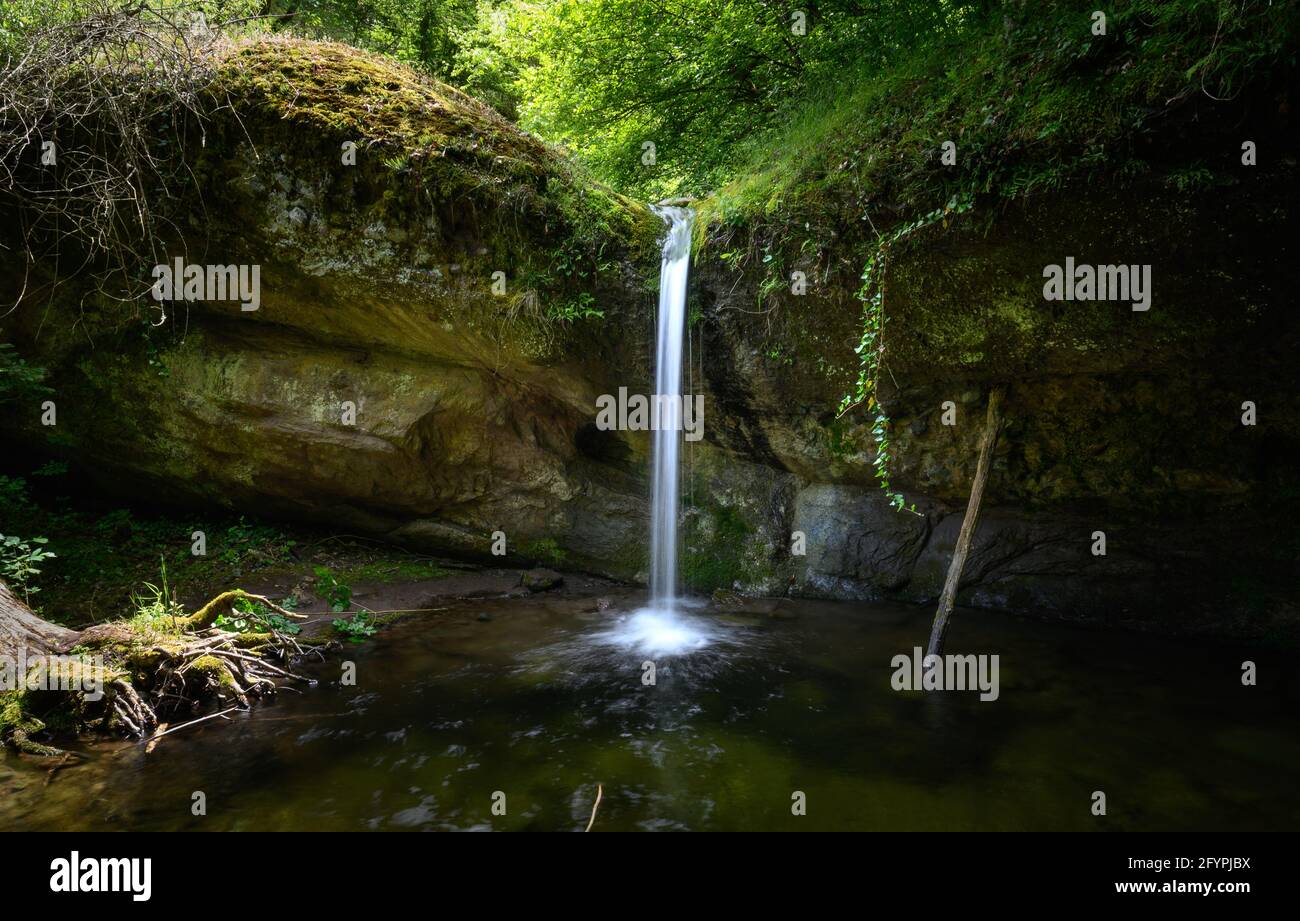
668 388
662 628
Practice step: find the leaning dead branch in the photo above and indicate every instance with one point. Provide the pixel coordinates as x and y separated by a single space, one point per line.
600 792
966 536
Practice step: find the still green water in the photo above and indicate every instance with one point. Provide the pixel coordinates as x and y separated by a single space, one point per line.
515 696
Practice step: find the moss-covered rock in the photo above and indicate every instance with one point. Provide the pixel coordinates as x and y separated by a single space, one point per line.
387 382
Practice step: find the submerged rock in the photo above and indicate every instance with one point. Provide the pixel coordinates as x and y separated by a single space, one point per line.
541 580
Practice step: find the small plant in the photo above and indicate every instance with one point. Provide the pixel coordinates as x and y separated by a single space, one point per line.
1191 179
581 307
281 624
355 628
17 377
256 619
255 541
51 468
13 494
118 521
337 594
157 606
545 550
19 561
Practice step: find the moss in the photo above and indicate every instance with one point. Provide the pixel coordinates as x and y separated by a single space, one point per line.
214 671
18 724
374 101
12 711
545 550
400 570
423 129
715 552
845 441
630 561
444 193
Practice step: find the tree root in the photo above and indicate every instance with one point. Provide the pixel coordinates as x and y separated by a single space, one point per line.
225 667
130 709
224 603
150 677
20 739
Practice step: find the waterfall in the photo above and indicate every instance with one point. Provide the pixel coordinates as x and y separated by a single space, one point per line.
668 393
661 628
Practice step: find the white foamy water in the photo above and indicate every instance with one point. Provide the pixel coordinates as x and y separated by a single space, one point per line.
658 632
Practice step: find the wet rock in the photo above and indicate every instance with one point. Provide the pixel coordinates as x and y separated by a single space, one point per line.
541 580
854 534
739 620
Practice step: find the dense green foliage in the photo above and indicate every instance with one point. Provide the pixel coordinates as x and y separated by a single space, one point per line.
100 556
447 39
695 77
730 91
1027 93
18 378
769 95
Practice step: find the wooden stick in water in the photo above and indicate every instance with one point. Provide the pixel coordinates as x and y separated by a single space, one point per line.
967 534
599 792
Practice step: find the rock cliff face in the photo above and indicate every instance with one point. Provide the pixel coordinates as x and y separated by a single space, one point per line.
475 408
1122 421
472 392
